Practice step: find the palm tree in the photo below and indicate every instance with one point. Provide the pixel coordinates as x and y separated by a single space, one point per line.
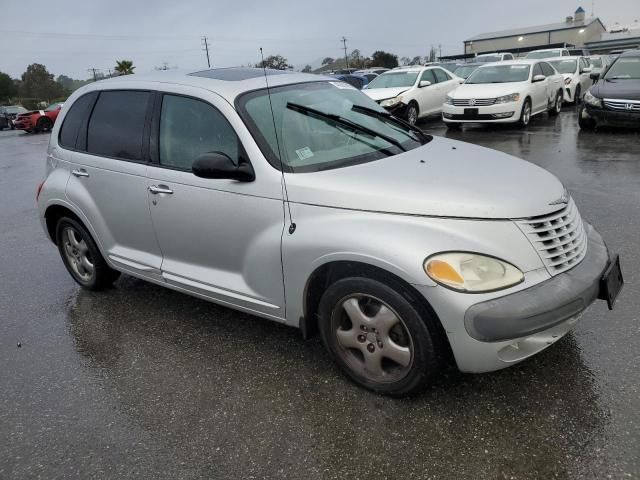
124 67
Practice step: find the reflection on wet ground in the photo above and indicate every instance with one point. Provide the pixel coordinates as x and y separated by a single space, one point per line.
143 382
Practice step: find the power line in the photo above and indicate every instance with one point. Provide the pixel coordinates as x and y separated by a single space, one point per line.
206 49
344 42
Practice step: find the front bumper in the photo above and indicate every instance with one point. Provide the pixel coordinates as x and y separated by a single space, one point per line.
500 113
604 117
398 110
501 331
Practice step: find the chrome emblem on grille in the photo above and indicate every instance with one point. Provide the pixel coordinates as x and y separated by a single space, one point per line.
472 101
629 106
562 200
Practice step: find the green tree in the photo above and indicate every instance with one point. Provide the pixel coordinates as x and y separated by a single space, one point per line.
306 69
7 87
124 67
383 59
37 82
277 62
327 61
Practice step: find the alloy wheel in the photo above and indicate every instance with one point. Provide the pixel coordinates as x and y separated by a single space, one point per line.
77 254
371 338
526 114
412 115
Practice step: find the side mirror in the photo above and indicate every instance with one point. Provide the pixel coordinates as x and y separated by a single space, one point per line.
424 83
218 165
538 78
586 70
595 76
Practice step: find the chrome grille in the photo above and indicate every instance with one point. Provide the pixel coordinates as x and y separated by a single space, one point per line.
619 104
477 102
559 238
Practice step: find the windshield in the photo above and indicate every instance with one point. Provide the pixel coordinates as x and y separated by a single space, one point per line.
52 107
565 66
544 54
500 74
464 72
624 68
596 62
488 58
308 141
394 79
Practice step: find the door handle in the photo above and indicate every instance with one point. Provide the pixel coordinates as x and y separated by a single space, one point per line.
80 173
155 189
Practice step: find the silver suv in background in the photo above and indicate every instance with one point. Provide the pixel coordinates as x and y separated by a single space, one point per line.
307 203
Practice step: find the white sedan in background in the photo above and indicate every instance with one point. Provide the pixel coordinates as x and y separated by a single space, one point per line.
412 92
505 92
576 72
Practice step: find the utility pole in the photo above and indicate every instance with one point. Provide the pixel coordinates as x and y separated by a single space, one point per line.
440 49
93 71
346 58
206 49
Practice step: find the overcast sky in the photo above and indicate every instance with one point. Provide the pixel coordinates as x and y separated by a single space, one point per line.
71 36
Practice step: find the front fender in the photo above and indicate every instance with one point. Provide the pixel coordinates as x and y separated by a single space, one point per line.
398 244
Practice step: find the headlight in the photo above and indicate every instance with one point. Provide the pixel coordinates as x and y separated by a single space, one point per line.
567 81
471 272
391 102
449 100
592 100
514 97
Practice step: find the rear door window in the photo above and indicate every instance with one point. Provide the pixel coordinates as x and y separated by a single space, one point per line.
116 127
189 128
74 119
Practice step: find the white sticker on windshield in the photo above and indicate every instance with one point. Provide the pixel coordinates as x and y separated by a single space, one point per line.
304 153
343 85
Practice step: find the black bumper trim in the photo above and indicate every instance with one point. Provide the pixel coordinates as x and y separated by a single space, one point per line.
614 118
542 306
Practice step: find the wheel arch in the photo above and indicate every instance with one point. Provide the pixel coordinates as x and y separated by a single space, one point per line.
54 213
332 271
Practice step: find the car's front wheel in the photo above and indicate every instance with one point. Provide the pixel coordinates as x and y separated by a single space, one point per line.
577 97
412 113
557 105
44 125
379 335
81 256
584 122
525 114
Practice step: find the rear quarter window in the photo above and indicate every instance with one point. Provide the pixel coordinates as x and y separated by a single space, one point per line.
74 119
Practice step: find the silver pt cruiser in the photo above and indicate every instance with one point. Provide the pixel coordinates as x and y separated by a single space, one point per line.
297 198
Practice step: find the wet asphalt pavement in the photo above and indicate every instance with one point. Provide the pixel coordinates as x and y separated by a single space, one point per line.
143 382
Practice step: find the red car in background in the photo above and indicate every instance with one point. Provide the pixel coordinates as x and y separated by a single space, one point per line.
38 120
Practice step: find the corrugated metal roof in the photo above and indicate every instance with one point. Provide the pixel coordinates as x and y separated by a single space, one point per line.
551 27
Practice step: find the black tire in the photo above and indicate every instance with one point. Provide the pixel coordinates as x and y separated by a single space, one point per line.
414 333
412 113
453 125
557 105
585 123
44 125
576 96
524 120
102 276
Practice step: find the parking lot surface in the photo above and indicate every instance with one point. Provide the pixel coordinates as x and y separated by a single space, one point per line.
143 382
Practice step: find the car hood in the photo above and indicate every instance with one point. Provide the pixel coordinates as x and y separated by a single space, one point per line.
486 90
384 93
623 89
444 178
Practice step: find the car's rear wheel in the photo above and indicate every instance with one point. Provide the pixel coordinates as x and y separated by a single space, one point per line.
525 114
44 125
557 105
412 113
379 336
81 256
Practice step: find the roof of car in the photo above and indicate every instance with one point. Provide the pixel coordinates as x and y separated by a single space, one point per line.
554 59
631 53
520 61
226 82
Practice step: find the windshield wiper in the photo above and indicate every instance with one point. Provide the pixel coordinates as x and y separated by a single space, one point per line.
387 116
344 122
